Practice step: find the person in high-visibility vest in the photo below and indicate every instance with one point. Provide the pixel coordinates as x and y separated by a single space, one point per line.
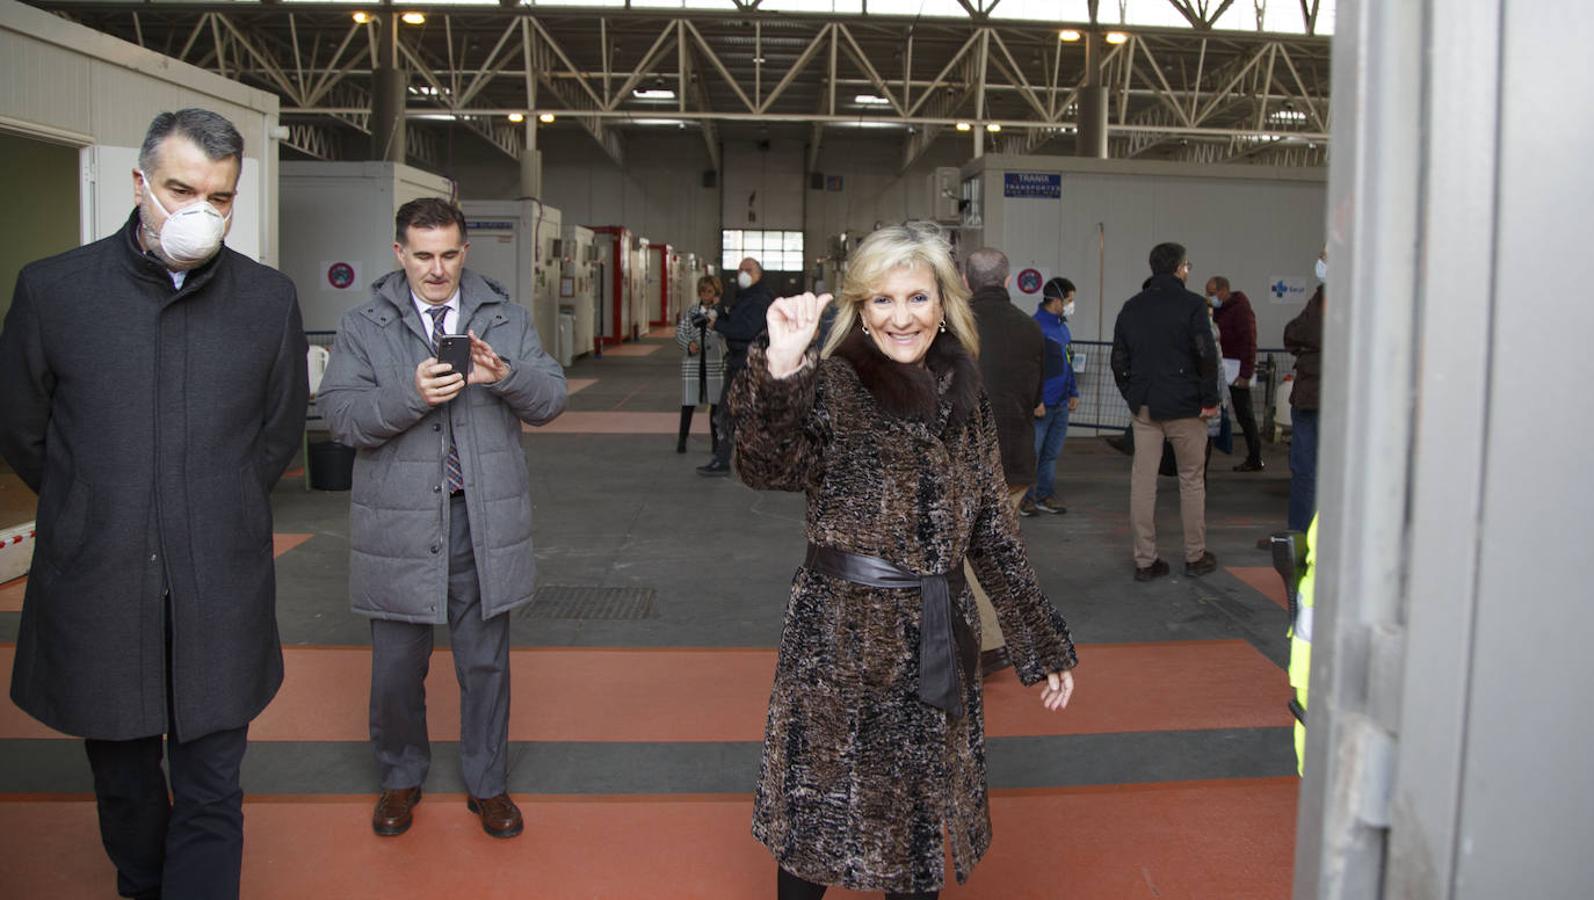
1301 644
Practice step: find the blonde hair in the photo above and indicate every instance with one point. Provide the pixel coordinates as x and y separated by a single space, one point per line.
906 246
712 283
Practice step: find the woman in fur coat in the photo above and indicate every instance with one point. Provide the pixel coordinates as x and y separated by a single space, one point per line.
874 746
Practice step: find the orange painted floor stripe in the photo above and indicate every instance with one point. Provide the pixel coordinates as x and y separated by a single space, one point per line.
12 591
633 350
1266 581
1225 841
620 423
722 695
283 542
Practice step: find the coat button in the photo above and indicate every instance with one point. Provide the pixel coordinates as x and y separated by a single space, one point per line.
437 488
436 427
153 557
436 547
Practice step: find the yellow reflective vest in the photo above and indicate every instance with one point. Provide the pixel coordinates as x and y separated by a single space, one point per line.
1301 641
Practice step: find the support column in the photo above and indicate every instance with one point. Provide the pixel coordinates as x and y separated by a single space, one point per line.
1091 137
531 163
389 86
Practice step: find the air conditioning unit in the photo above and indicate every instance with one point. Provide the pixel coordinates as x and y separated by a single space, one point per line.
944 185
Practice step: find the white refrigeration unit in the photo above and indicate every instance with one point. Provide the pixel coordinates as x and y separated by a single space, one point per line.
518 244
338 234
579 291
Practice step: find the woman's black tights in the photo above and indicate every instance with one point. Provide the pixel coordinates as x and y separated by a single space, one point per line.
790 887
686 427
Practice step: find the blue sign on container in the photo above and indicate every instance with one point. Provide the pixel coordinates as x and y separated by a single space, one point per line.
1037 185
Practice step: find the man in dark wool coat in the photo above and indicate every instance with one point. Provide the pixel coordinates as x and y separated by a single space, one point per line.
152 390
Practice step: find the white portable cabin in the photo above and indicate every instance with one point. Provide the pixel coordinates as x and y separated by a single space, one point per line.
642 310
619 269
518 244
341 234
579 293
1095 222
89 97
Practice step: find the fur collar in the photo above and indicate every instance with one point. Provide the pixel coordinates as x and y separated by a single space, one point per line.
917 392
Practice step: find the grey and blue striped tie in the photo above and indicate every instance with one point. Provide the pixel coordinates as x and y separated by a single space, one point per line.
455 475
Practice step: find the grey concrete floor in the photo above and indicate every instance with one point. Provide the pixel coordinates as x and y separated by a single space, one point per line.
627 511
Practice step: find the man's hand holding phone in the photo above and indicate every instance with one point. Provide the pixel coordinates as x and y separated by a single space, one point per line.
437 382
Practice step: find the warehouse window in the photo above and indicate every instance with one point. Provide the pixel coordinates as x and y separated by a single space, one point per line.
776 251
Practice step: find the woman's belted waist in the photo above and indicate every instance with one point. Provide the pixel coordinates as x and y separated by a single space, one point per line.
945 640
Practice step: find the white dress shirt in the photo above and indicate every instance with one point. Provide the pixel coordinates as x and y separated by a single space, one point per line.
450 318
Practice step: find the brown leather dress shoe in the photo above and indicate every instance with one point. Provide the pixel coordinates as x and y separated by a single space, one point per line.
500 816
395 811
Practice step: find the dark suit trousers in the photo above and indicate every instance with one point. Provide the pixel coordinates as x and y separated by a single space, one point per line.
400 658
727 423
1247 418
189 847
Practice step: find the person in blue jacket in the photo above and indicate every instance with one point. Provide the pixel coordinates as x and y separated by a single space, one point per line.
1059 397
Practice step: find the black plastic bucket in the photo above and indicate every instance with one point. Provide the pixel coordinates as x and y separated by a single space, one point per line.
331 466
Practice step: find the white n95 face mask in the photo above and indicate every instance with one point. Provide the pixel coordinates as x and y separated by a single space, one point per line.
744 280
1068 310
192 234
1321 269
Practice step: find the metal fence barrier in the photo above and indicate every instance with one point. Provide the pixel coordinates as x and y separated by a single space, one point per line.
1102 407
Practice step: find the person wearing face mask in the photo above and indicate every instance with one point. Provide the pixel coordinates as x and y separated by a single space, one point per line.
1165 363
874 741
1303 336
1236 320
739 327
152 390
1061 396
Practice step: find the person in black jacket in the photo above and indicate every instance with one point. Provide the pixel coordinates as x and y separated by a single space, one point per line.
740 326
1166 366
152 390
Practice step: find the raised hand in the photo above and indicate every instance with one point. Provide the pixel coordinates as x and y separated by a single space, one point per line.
485 366
792 322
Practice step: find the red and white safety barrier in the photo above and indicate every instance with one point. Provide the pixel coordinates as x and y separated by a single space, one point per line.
16 551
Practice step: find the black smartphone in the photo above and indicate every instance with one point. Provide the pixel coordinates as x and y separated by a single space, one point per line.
454 349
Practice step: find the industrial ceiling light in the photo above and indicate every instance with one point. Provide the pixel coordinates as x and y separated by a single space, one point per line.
1117 37
362 17
870 100
517 118
413 18
759 60
653 94
1068 35
964 126
993 127
546 118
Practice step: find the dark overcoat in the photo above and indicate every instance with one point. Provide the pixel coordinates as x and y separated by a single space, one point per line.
1013 366
1303 336
859 775
152 421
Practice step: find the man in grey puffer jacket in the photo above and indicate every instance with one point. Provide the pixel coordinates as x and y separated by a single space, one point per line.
440 524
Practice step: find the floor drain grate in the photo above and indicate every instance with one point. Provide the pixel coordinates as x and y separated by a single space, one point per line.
567 601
